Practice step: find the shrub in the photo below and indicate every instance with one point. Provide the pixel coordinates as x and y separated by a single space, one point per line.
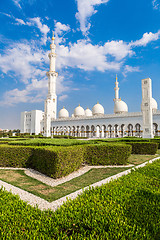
58 161
50 142
54 162
156 140
104 154
147 148
15 156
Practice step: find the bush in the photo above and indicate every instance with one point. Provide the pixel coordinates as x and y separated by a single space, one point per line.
54 162
148 148
156 140
104 154
50 142
15 156
58 161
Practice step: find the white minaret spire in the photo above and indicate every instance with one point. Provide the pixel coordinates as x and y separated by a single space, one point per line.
51 101
116 89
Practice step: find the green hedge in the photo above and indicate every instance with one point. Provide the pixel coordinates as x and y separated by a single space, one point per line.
54 162
125 209
156 140
15 156
147 148
50 142
106 154
58 161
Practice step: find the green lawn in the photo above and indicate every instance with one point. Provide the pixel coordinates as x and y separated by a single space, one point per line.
19 179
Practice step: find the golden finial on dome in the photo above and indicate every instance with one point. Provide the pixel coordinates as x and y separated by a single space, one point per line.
53 38
63 107
97 102
116 78
79 105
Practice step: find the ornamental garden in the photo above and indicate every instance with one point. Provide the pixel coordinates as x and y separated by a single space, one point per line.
126 208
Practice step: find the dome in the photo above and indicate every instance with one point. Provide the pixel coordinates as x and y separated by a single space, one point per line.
88 112
79 111
63 113
154 104
98 109
120 107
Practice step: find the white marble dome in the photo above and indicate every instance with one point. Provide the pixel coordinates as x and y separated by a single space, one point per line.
98 110
120 107
154 104
88 112
79 111
63 113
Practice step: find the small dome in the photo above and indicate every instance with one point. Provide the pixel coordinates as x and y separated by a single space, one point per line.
63 113
79 111
97 110
120 107
88 112
154 104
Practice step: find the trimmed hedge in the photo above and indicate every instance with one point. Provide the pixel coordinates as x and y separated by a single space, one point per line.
107 154
148 148
50 142
54 162
15 156
156 140
58 161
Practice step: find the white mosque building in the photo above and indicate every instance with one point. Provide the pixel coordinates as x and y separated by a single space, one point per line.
92 123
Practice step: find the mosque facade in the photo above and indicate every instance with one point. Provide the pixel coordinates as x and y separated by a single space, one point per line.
92 123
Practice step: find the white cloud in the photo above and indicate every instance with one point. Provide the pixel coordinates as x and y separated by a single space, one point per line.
44 29
86 56
118 49
147 38
130 69
37 21
63 97
86 8
20 21
34 92
155 4
59 30
17 3
24 60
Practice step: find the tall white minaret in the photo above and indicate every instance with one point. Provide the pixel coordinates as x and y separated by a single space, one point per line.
51 101
147 108
116 89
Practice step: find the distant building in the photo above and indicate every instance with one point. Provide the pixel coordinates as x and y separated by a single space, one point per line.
30 121
92 123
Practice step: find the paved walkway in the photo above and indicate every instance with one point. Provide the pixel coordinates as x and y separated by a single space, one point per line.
43 204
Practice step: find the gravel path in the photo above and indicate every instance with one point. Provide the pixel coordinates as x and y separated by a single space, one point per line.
43 204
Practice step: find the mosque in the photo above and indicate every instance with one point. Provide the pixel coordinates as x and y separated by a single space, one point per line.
92 123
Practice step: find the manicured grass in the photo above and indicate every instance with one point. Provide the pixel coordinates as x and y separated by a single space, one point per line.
19 179
137 159
127 208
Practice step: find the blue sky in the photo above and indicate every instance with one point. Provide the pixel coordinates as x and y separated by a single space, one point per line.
96 39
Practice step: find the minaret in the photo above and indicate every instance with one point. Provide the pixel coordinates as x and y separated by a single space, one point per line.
147 108
116 89
51 101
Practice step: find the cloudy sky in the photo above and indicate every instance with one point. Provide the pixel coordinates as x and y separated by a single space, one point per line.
96 39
